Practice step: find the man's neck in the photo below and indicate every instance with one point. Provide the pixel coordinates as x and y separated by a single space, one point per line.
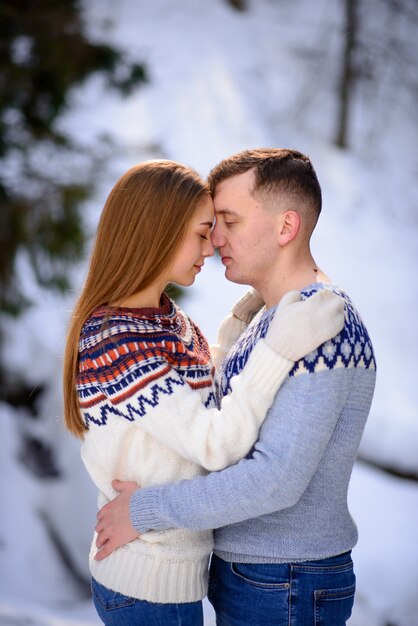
290 277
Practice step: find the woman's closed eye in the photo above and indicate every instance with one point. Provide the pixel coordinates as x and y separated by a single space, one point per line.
205 233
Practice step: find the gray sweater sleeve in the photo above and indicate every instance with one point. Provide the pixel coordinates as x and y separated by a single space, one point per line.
292 442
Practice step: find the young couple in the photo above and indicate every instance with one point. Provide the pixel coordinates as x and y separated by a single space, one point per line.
260 449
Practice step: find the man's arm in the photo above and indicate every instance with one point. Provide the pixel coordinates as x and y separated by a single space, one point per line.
291 444
113 535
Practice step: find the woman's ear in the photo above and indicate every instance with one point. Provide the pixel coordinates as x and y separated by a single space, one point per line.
288 227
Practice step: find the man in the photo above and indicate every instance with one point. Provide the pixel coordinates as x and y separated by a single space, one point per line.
283 534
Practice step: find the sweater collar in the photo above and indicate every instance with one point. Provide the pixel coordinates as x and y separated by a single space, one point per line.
167 308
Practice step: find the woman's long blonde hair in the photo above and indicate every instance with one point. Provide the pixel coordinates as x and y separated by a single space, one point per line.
140 230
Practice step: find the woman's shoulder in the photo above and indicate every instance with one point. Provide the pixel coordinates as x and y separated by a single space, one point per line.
111 336
166 331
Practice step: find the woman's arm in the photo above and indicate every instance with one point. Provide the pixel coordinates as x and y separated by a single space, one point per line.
169 410
235 324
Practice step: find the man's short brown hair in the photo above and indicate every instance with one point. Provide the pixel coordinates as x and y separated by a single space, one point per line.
278 172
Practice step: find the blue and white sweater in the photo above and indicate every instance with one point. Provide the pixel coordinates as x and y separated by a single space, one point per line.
287 500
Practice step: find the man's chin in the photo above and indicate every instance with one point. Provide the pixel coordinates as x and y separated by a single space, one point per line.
234 278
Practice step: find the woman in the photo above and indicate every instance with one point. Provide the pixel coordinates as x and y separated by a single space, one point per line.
139 381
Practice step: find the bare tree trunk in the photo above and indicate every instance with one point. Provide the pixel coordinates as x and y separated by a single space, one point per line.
347 74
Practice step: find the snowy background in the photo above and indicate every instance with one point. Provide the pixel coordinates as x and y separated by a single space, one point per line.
221 81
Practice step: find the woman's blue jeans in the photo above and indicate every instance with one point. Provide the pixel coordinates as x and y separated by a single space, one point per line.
115 609
312 593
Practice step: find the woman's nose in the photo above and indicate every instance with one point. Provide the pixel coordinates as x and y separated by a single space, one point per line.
209 250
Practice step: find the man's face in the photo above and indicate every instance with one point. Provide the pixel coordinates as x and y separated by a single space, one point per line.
245 232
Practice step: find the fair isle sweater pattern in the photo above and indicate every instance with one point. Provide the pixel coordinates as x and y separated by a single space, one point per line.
126 355
352 347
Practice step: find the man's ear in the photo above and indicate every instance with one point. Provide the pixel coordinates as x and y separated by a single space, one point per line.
288 227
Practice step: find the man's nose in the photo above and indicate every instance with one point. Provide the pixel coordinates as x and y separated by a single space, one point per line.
218 239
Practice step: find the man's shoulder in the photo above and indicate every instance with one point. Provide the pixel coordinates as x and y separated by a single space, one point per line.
351 348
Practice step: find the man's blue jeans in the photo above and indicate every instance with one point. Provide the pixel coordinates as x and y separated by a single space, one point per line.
115 609
312 593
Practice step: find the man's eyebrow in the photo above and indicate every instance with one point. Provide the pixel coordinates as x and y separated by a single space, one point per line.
225 212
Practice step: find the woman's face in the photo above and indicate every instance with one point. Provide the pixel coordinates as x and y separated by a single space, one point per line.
196 246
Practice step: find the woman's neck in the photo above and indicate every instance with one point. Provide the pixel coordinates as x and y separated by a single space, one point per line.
149 298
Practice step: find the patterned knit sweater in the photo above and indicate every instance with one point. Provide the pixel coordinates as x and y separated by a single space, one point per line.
146 393
287 501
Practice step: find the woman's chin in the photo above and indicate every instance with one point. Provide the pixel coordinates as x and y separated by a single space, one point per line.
185 282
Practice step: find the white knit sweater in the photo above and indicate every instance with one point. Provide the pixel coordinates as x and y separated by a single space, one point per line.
143 385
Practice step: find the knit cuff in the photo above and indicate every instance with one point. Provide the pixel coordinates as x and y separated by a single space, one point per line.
265 369
229 331
142 508
248 306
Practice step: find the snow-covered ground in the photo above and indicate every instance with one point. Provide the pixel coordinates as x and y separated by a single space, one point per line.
222 81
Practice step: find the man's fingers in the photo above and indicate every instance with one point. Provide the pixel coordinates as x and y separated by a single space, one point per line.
113 527
102 537
121 485
104 552
100 515
99 527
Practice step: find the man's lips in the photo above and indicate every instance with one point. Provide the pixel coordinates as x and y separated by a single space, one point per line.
226 260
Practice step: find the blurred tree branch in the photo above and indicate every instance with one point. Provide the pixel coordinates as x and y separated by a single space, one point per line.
45 176
238 5
372 49
347 72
